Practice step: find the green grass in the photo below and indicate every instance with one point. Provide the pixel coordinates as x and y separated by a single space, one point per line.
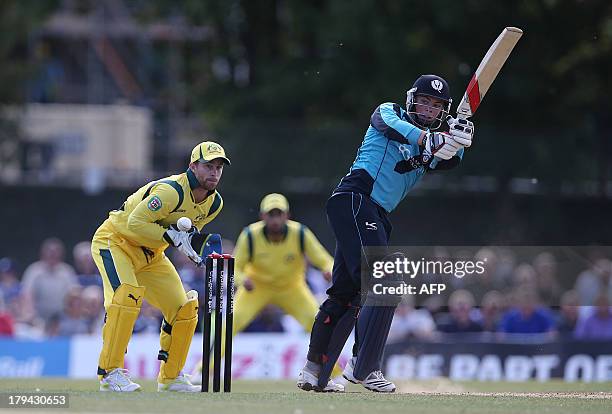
252 397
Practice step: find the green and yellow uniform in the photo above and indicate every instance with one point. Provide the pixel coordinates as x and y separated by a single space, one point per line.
277 270
128 249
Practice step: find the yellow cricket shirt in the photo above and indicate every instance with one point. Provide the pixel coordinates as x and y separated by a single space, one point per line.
146 214
282 264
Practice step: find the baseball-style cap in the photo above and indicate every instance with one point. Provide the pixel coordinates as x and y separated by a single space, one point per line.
274 201
208 151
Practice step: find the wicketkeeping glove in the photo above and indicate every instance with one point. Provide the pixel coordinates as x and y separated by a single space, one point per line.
205 244
182 241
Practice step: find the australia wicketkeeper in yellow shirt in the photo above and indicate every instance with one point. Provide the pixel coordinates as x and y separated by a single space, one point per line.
128 249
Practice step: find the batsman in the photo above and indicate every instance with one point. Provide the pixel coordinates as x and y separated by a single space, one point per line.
128 249
400 146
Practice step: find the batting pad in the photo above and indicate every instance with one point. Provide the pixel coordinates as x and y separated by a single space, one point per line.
120 318
176 342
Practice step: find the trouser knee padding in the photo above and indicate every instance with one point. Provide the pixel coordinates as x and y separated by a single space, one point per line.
339 335
175 338
331 311
326 334
120 318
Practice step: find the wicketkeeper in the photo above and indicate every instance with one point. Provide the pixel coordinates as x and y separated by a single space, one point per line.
128 249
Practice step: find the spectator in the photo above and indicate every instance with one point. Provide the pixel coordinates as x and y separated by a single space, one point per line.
525 278
9 281
6 321
51 326
593 281
461 305
506 263
46 282
435 306
72 320
488 280
93 308
86 270
598 326
568 316
409 322
460 280
492 306
549 289
528 317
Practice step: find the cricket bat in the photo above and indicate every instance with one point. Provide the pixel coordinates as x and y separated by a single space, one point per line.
487 71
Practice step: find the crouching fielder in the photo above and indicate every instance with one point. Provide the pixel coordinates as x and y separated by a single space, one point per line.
128 249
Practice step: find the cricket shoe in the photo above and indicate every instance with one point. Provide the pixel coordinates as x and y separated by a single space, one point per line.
376 382
179 384
348 371
196 375
308 381
118 380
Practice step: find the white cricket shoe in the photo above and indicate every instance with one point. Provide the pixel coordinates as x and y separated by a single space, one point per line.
118 380
348 371
308 381
196 375
179 384
195 379
376 382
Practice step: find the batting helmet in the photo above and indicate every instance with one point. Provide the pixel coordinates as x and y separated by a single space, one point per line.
435 87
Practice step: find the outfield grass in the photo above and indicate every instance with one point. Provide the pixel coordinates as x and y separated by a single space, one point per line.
251 397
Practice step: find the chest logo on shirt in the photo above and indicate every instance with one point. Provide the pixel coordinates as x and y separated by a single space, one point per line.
405 150
289 258
154 203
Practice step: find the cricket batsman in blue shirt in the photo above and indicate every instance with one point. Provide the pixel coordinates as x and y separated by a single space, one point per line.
399 147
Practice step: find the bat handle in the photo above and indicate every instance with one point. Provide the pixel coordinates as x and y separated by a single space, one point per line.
459 116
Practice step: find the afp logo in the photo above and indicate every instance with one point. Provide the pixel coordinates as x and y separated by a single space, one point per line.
437 85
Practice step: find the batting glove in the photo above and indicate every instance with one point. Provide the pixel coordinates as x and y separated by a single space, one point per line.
439 144
461 130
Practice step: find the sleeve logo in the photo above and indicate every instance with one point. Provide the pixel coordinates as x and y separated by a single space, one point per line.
154 203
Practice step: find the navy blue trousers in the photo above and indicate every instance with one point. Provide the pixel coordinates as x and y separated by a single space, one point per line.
357 222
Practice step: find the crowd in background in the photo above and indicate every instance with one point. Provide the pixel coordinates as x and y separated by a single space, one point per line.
52 298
